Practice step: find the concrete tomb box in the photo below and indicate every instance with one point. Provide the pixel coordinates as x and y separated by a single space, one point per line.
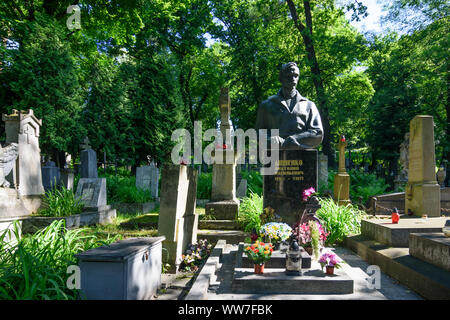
125 270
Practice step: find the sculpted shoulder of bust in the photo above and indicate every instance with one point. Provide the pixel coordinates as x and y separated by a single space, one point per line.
297 118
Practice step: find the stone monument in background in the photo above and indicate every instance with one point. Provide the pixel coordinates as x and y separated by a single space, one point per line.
88 167
50 175
224 205
23 128
147 178
177 221
342 179
300 132
422 194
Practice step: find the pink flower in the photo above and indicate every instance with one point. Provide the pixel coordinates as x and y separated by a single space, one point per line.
307 193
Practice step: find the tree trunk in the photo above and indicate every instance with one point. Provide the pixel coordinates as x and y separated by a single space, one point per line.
306 33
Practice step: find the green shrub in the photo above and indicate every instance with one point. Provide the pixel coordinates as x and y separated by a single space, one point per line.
204 186
249 212
122 189
35 267
254 182
60 202
339 221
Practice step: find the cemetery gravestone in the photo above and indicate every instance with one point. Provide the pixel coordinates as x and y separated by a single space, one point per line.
224 205
92 192
342 179
50 175
177 218
300 132
422 190
147 178
88 168
24 128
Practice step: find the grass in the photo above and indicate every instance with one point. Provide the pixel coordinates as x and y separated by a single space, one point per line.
35 267
250 211
60 203
127 226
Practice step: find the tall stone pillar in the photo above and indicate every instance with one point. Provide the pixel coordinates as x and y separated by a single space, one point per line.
422 190
224 205
342 179
177 218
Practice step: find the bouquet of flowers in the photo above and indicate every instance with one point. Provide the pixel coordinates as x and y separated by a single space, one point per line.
329 259
194 255
276 231
303 234
269 215
259 252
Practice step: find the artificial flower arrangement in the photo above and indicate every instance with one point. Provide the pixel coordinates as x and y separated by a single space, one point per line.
259 252
269 215
308 193
276 231
330 260
194 256
303 233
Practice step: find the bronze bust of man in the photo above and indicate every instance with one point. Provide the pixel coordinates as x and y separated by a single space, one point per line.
297 118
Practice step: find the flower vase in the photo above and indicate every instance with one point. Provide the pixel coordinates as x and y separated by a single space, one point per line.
259 268
329 270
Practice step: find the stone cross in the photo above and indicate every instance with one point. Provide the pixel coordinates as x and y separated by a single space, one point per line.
86 145
342 179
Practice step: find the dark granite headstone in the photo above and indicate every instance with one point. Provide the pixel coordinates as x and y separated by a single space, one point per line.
298 170
50 175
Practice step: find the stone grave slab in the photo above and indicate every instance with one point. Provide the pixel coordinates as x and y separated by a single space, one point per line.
433 248
278 259
397 235
92 192
276 281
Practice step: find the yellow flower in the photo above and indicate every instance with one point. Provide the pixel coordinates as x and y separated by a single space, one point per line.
266 252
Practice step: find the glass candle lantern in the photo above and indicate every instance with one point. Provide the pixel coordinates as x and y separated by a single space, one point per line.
294 259
284 246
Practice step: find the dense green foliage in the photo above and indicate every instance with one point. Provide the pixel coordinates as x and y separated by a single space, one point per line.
60 202
137 70
339 221
122 189
254 182
249 212
204 186
35 268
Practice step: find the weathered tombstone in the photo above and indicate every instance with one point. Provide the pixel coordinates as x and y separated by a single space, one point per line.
297 166
422 190
342 179
24 128
147 178
323 170
402 177
88 167
92 192
50 175
224 205
177 218
241 190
